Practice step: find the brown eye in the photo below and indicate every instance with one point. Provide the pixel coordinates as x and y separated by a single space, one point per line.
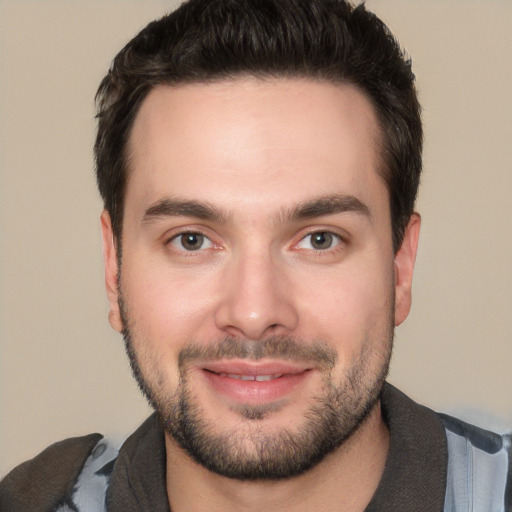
191 241
319 241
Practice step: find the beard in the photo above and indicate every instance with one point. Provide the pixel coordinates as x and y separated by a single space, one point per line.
254 453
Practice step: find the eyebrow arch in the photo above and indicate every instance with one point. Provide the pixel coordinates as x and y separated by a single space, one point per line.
326 205
183 208
329 205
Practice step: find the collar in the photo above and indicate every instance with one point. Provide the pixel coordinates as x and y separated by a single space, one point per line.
138 478
414 477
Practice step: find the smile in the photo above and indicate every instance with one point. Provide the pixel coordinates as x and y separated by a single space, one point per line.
257 378
254 383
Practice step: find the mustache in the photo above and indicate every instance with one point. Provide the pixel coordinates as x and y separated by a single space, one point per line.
286 348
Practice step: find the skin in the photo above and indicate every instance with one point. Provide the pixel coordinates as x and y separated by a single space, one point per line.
257 150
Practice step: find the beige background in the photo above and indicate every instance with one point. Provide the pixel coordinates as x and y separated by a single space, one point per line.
63 371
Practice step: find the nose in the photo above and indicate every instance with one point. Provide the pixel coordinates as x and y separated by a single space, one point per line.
256 299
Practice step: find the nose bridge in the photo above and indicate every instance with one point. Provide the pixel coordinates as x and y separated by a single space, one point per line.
255 300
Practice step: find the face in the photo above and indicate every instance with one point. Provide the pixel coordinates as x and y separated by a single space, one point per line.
258 286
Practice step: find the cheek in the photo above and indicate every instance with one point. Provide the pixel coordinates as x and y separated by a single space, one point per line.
163 304
164 312
348 306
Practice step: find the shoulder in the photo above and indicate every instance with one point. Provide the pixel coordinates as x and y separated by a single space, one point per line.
442 459
479 466
46 481
479 438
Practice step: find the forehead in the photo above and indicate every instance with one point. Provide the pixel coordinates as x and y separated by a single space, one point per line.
252 143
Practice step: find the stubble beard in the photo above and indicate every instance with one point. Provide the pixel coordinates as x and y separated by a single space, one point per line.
253 453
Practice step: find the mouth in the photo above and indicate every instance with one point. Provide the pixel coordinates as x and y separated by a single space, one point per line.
254 382
257 378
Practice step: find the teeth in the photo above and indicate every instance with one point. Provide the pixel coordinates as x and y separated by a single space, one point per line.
262 378
258 378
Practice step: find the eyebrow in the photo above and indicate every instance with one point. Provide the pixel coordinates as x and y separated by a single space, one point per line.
328 205
325 205
183 208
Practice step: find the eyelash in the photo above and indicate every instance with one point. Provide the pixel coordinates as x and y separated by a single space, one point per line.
337 239
176 237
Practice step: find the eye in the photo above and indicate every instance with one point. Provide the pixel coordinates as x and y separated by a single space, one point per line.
319 241
191 241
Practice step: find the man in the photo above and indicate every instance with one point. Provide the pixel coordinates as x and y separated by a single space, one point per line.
259 163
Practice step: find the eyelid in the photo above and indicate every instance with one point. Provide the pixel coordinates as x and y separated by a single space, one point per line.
176 241
171 238
340 239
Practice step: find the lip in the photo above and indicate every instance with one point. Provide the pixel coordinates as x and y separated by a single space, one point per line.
254 382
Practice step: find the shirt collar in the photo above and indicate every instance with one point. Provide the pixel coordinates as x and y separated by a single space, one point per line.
414 477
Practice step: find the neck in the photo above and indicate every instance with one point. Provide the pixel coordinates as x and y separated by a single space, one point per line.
345 480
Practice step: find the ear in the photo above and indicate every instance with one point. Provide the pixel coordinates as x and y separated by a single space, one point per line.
111 271
404 269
